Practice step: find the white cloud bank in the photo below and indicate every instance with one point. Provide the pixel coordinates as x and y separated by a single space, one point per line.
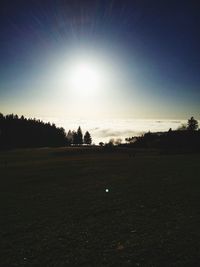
104 130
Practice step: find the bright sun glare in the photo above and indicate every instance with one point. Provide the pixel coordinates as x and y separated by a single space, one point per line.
84 78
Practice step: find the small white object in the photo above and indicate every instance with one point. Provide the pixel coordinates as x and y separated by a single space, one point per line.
107 190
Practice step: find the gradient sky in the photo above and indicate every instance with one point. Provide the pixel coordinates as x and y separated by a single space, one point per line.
147 54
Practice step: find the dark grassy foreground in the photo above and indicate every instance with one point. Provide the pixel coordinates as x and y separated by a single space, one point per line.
55 211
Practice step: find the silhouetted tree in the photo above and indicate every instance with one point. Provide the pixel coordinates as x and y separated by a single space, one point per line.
111 142
75 138
87 138
79 136
192 124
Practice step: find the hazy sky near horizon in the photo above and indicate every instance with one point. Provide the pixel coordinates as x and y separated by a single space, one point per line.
100 59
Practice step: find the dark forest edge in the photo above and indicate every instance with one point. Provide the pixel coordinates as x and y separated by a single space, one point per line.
20 132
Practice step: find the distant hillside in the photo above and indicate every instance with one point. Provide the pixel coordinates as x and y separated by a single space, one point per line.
172 140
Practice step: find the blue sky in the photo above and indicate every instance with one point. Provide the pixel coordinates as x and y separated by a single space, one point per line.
146 51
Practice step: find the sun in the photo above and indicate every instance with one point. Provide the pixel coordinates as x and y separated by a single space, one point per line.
84 78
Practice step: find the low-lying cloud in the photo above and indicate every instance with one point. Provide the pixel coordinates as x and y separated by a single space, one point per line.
104 130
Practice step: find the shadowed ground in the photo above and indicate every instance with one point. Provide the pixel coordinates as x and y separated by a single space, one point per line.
55 210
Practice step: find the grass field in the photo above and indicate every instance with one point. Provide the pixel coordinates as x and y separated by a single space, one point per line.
55 210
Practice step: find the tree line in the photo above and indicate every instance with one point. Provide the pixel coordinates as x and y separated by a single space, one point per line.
77 137
185 138
20 132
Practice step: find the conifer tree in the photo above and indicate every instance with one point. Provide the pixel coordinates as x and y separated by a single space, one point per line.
79 136
192 124
87 138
